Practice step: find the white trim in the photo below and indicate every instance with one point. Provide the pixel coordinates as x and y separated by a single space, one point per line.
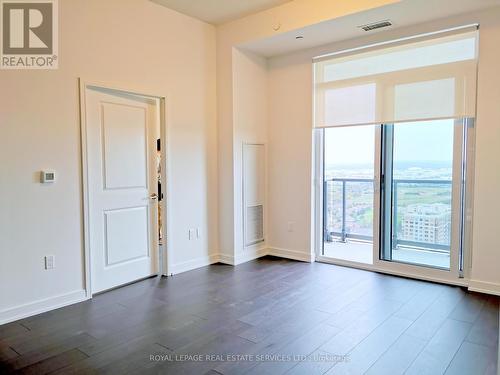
303 256
166 168
249 254
484 287
317 191
243 256
226 259
164 266
193 264
33 308
411 275
85 192
116 86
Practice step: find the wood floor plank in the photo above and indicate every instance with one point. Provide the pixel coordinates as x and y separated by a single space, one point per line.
49 351
271 345
398 357
439 352
159 323
54 363
360 328
67 317
311 314
362 357
472 359
468 309
295 350
7 353
486 328
114 355
433 318
319 362
421 301
134 361
12 329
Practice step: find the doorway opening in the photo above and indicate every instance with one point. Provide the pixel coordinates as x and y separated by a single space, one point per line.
124 183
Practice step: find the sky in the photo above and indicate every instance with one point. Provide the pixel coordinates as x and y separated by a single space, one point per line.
424 141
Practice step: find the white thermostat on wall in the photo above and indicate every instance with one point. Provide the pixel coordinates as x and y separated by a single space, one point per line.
47 177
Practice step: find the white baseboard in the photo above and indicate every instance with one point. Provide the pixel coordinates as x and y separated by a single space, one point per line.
484 287
33 308
193 264
226 259
249 254
303 256
243 256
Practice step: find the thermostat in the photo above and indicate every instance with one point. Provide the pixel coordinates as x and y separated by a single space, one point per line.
47 177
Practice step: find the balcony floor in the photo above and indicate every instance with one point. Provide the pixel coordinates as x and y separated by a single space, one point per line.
362 252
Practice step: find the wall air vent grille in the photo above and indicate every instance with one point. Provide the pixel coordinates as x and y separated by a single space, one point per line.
254 224
376 25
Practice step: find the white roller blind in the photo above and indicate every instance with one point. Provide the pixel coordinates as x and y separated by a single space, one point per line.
424 80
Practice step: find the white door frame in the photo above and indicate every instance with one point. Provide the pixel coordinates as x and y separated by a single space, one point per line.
164 253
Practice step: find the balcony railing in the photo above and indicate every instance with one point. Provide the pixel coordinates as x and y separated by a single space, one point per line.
343 232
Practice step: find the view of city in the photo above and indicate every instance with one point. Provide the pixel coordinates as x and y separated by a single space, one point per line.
422 202
421 192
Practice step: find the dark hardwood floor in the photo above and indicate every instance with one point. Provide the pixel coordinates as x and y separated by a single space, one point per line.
269 316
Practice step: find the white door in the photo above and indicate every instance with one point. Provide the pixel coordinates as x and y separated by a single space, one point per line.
121 133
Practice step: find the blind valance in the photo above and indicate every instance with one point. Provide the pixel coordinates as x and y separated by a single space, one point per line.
423 80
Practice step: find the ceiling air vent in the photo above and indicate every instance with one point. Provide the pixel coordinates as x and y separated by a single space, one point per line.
376 25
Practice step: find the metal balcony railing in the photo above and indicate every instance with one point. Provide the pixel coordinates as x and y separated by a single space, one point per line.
344 233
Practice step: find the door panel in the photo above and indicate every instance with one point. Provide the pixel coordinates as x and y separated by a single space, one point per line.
122 244
121 159
420 181
124 136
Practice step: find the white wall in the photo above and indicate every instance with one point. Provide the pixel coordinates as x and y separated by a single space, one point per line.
250 126
290 155
130 44
290 116
486 245
238 74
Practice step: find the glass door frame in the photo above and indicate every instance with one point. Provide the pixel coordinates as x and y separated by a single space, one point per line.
461 211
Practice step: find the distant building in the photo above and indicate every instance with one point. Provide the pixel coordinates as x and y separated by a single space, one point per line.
429 223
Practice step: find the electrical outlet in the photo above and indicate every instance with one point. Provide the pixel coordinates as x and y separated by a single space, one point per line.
191 234
50 262
198 233
291 226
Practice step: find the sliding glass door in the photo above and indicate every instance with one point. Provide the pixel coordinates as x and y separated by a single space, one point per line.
348 193
392 164
392 196
418 195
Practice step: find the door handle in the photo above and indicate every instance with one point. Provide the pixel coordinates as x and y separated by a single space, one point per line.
153 196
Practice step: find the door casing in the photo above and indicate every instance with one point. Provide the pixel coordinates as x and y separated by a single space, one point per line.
164 254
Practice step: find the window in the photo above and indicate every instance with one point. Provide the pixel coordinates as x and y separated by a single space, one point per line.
393 127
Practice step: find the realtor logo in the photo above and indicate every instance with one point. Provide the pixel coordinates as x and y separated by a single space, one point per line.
29 34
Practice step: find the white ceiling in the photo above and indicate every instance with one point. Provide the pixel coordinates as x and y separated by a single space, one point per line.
219 11
404 13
